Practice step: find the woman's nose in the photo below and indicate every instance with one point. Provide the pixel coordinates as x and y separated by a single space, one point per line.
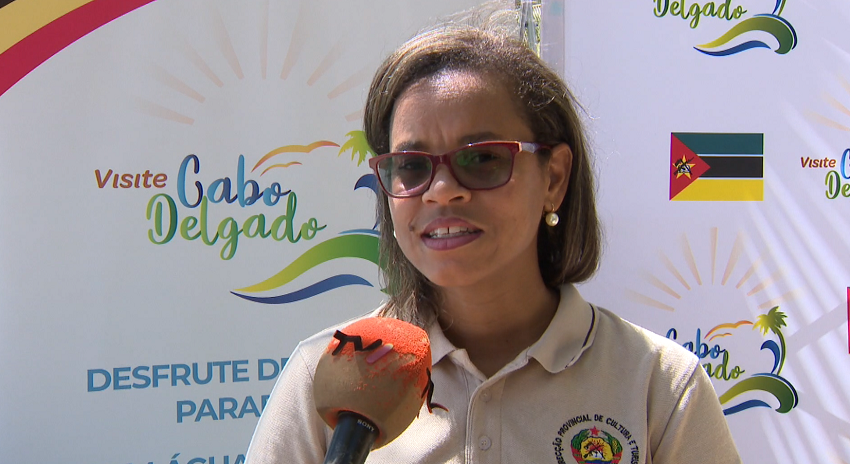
445 188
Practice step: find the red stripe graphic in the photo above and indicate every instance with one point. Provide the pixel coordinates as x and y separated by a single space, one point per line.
36 48
694 165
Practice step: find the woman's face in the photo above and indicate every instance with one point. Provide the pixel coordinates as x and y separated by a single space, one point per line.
458 237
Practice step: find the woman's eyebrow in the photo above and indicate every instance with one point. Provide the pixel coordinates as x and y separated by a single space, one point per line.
479 137
409 146
465 140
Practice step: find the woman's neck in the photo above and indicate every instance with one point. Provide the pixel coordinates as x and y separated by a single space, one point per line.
494 325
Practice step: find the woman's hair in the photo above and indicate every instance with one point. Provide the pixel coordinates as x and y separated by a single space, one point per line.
568 252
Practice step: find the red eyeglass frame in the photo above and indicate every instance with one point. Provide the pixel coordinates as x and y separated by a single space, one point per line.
513 146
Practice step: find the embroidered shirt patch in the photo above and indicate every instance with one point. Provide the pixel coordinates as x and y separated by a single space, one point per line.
595 439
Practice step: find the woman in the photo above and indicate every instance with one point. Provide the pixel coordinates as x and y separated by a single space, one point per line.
483 244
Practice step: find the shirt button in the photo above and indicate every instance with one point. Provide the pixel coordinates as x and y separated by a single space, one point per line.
484 443
485 396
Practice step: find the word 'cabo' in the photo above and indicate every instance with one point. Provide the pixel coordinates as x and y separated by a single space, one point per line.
163 211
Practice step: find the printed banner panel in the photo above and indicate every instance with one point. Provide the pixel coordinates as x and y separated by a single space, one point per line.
720 130
184 197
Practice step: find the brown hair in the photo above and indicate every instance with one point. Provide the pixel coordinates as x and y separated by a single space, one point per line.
568 252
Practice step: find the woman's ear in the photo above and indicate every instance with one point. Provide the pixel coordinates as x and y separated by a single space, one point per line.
559 169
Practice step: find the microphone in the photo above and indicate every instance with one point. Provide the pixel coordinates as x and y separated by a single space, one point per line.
370 384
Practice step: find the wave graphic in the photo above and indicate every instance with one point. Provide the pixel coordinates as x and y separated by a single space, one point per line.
774 25
744 406
309 291
369 181
357 245
777 353
777 386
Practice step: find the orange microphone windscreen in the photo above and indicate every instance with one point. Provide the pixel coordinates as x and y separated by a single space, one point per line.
378 368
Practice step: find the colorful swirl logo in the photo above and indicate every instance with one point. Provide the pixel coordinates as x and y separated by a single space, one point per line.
357 243
716 362
772 23
771 382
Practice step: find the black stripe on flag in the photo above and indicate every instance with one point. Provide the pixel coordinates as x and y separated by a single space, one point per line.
734 166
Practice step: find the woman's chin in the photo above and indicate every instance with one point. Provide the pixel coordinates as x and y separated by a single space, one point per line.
456 277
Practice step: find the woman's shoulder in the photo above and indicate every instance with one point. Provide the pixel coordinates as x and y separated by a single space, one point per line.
640 344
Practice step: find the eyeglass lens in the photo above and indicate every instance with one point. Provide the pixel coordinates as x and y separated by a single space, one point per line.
476 168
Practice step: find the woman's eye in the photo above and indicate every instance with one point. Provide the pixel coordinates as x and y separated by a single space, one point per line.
475 157
412 165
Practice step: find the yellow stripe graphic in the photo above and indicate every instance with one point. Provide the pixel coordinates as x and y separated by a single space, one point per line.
723 190
23 17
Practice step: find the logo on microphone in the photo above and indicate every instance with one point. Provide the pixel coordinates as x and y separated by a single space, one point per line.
378 350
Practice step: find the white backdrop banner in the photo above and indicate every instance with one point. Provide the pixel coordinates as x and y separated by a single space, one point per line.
184 198
721 135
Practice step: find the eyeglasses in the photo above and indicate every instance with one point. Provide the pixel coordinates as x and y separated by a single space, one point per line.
477 166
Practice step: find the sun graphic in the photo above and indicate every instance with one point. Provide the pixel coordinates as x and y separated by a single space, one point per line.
281 92
742 280
839 103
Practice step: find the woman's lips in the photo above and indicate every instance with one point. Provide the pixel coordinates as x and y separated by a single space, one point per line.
449 243
446 235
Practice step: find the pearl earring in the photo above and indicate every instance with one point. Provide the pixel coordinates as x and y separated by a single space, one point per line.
552 217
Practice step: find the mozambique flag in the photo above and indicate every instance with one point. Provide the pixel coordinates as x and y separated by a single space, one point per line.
31 31
716 167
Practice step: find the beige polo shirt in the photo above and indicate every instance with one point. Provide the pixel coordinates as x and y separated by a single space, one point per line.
593 389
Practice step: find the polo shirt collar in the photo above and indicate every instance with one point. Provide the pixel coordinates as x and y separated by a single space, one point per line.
440 345
570 333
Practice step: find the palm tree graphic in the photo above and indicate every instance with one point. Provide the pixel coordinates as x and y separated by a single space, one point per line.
773 321
358 145
771 382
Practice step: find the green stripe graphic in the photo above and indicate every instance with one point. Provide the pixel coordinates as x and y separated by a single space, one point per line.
347 246
722 144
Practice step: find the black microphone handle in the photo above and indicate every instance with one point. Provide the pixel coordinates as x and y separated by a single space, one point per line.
352 440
